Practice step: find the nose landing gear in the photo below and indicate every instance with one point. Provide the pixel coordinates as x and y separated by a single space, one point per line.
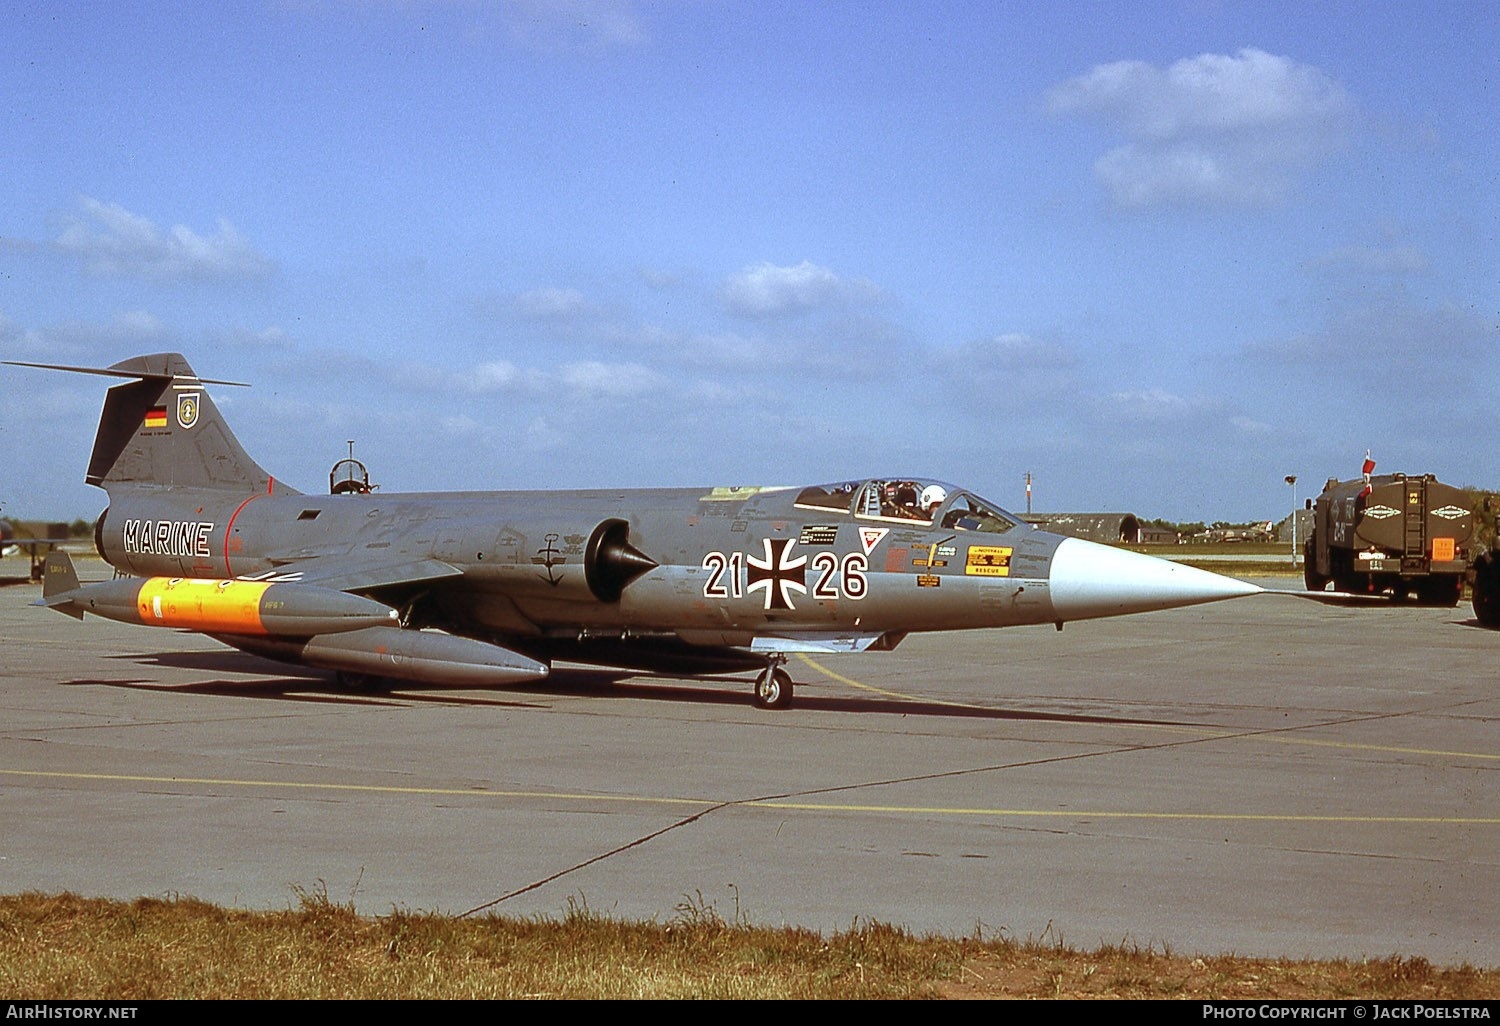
773 688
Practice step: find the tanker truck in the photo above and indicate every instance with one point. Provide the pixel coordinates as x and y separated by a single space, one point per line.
1398 534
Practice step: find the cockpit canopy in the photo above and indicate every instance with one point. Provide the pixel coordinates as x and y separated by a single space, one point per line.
908 500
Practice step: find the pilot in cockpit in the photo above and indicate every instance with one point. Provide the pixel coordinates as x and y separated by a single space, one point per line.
933 496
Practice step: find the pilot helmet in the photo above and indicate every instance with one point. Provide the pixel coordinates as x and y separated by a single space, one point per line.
933 496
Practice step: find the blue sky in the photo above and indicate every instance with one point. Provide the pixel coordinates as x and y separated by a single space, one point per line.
1159 255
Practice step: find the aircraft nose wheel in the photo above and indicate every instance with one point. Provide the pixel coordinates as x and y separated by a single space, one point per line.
773 688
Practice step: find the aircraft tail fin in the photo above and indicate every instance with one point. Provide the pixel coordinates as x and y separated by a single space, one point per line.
60 584
163 429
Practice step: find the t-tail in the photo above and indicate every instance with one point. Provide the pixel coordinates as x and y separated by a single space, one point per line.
162 430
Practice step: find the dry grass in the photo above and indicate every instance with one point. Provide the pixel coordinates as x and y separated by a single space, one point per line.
67 947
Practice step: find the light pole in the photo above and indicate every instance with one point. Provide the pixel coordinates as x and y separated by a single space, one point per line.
1291 479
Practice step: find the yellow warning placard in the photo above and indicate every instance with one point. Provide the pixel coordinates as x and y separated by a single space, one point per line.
1442 549
988 561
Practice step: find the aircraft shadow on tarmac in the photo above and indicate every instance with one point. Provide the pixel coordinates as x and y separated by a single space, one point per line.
296 684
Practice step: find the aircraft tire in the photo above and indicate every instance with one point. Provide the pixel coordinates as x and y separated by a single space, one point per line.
364 683
773 688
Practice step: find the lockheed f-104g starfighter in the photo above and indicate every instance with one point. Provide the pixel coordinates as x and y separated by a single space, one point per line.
475 588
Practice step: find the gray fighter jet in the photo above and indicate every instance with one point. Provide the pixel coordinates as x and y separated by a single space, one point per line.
466 588
36 539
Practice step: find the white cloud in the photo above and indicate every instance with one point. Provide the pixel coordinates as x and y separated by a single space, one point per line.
541 436
1153 404
551 304
1208 129
1251 426
1017 351
988 373
562 25
1161 410
113 242
588 379
265 341
1393 340
719 351
140 324
494 376
481 379
1400 260
87 341
619 380
768 290
461 426
654 278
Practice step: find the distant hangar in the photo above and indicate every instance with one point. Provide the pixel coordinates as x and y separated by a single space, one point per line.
1109 528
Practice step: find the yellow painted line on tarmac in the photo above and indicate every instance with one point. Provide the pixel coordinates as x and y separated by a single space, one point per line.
1359 746
1077 814
761 803
465 792
1279 735
1073 815
851 682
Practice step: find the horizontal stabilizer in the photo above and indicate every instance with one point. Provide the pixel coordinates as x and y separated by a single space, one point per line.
60 588
127 369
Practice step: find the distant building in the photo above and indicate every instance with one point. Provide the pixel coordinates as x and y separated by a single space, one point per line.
1153 535
1304 527
1097 527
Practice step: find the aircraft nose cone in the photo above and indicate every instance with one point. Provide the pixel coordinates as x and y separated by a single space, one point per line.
1090 580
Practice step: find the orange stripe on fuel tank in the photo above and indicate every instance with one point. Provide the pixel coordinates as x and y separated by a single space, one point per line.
229 606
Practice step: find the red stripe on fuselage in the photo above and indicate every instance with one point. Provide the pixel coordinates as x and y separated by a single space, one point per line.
229 529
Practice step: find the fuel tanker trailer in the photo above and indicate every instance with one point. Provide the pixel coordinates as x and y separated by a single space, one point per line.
1399 534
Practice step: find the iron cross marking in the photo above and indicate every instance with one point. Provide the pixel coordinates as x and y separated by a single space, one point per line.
776 574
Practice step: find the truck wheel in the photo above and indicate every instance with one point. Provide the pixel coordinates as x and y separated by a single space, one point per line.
1310 576
1487 590
1444 590
1455 594
1431 592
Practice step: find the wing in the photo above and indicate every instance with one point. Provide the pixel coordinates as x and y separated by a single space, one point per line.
358 573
